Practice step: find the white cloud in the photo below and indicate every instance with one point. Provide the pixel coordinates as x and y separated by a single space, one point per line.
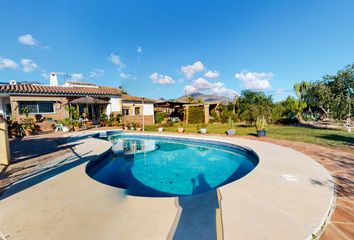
255 80
115 59
204 86
139 49
126 76
76 77
28 40
7 63
96 73
28 65
212 74
161 79
190 70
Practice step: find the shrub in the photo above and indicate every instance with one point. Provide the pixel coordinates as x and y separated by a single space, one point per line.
159 116
231 123
215 116
261 124
28 124
73 113
225 115
195 115
103 119
67 122
14 129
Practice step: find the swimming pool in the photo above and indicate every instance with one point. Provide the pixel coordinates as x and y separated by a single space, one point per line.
164 166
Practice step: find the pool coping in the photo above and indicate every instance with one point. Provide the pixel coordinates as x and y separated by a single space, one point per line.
320 229
225 140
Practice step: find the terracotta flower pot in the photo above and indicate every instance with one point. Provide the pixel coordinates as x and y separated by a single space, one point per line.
180 130
160 129
28 132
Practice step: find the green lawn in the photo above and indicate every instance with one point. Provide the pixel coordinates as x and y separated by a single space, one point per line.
327 137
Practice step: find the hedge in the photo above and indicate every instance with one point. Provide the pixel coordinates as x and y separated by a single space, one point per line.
196 115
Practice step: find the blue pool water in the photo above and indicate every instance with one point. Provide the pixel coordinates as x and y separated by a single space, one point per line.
163 167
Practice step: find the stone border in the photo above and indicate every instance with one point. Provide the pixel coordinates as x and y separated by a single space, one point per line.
206 138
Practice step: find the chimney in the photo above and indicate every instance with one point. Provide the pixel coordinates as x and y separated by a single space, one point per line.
12 82
53 79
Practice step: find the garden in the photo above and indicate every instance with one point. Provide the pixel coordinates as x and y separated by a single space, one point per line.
320 112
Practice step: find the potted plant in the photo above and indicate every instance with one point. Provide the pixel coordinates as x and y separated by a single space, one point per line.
126 126
202 128
180 128
103 119
231 127
132 126
160 128
28 126
138 126
261 126
76 125
67 124
14 129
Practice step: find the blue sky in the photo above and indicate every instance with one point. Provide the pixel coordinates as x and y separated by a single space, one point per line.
166 48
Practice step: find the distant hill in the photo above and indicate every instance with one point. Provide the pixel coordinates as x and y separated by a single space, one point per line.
206 98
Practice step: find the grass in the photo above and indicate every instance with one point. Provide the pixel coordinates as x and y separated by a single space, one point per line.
326 137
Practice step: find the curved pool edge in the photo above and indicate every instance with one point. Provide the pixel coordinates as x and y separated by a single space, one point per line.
317 230
249 156
260 215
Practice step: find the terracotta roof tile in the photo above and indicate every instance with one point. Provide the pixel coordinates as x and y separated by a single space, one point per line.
27 89
129 98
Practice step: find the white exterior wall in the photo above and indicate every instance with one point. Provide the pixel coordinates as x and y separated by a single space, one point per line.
2 107
148 109
115 105
3 102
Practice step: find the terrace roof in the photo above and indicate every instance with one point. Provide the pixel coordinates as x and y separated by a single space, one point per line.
128 98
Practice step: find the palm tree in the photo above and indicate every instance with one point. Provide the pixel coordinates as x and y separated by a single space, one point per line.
303 91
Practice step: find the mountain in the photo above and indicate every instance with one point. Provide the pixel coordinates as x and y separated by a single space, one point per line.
205 98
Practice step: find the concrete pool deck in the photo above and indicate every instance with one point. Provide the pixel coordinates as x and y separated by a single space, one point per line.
287 196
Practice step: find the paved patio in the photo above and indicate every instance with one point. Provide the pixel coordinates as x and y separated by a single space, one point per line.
30 153
286 210
341 166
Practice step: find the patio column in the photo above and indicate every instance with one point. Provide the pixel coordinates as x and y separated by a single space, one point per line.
4 145
206 113
186 114
92 111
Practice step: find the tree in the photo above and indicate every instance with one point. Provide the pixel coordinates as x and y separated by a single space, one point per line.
332 96
292 109
334 93
251 105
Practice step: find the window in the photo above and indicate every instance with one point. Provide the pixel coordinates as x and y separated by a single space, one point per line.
37 107
125 111
137 111
7 109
